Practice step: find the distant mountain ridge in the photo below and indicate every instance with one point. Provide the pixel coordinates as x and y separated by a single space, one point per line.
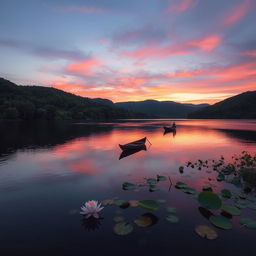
38 102
241 106
154 108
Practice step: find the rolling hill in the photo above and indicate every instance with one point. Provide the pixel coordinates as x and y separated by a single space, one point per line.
241 106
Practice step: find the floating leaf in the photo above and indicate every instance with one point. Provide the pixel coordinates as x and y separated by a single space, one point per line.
171 209
133 203
123 228
206 232
128 186
146 220
220 177
172 218
181 169
188 190
221 222
151 181
149 204
251 198
118 219
226 193
209 200
231 209
108 201
153 188
180 185
207 188
247 222
161 178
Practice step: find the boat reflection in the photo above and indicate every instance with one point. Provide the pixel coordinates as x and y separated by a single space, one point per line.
129 152
170 131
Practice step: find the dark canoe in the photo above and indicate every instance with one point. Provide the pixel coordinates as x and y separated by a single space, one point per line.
134 145
129 152
169 129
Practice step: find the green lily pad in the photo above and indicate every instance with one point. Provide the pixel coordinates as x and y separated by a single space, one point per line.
108 201
123 228
188 190
220 177
171 209
221 222
231 209
128 186
153 188
151 181
143 221
149 204
207 188
226 193
180 185
160 178
247 222
172 218
209 200
133 203
206 232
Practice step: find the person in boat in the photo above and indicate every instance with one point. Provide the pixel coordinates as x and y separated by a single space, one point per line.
174 125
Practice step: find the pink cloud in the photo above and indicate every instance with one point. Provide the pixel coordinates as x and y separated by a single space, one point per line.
249 53
207 43
177 6
84 67
236 13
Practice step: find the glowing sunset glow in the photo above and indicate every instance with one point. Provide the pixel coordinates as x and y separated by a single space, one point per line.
197 51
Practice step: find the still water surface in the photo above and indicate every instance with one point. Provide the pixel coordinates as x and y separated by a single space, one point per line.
48 170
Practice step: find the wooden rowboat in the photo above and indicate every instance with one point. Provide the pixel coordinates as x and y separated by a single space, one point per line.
134 145
129 152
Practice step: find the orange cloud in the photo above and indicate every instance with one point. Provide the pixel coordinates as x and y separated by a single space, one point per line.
236 13
84 67
177 6
208 43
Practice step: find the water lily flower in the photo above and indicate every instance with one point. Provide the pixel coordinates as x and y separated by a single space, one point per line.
91 208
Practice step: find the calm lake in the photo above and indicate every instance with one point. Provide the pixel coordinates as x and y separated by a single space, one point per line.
48 170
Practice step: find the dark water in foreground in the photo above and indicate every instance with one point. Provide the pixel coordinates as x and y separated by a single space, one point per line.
47 171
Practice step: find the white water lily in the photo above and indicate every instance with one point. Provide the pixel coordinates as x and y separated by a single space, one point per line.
91 208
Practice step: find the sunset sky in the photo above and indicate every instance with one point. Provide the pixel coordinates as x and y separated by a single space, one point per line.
181 50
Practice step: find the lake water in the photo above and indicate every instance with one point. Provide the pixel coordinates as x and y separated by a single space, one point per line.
48 170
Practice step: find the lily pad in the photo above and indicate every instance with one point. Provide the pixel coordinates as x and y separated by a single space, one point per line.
151 181
220 177
128 186
207 188
171 209
108 201
187 190
172 218
247 222
181 169
153 188
123 228
180 185
206 232
221 222
146 220
133 203
231 209
251 198
209 200
161 178
149 204
226 193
